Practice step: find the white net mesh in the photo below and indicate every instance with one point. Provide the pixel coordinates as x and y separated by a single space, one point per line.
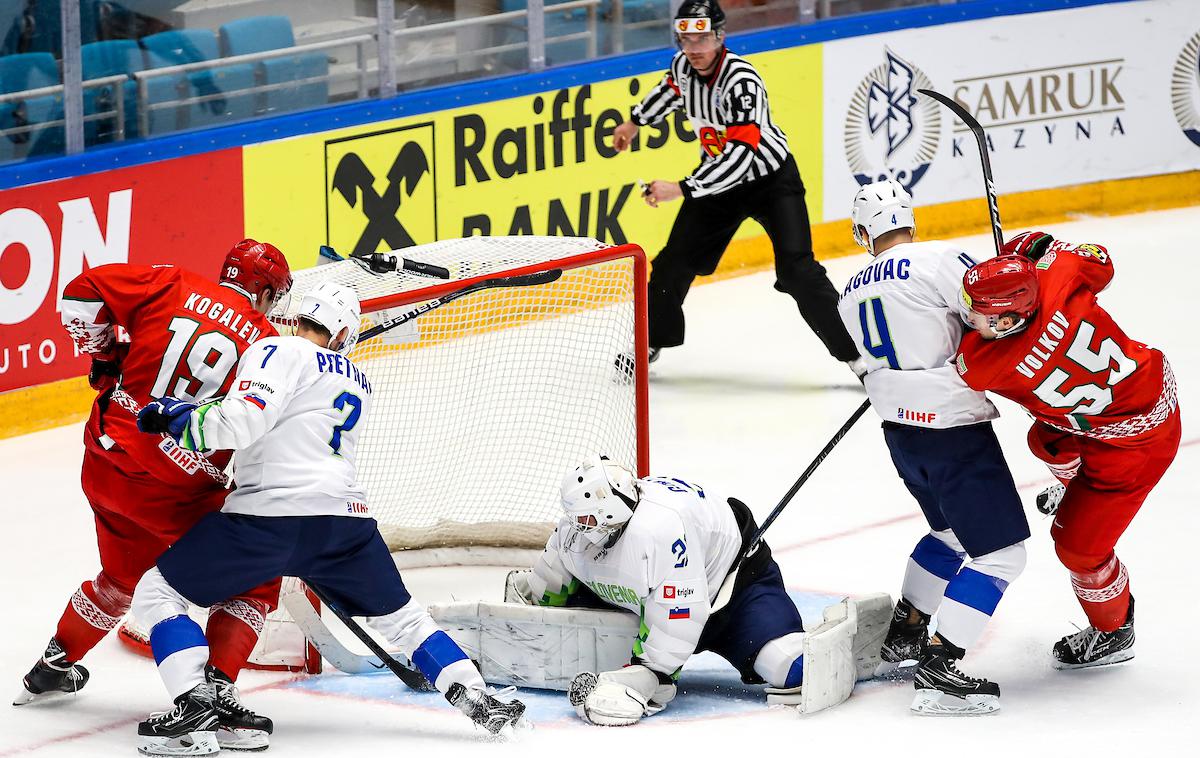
482 404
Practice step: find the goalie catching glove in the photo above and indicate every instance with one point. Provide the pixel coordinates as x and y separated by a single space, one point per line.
621 697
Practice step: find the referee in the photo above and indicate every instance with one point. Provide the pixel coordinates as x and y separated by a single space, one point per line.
746 171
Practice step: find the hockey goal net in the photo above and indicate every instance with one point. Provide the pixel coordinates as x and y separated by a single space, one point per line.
479 406
482 404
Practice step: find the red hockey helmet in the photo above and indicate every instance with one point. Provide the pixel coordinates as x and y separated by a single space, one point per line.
253 266
1006 285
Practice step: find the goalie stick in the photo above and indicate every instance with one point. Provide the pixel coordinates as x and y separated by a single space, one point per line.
726 590
989 185
384 263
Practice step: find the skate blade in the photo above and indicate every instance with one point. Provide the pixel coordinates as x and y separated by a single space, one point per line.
24 697
938 703
192 743
896 671
247 740
1112 658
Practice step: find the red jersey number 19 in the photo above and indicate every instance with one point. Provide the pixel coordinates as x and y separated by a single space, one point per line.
194 369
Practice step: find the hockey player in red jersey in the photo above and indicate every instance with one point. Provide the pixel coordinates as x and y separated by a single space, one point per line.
153 331
1105 408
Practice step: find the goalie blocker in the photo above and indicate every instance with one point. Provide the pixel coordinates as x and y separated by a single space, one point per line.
548 648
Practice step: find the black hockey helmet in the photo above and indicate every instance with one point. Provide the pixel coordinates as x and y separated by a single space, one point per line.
690 18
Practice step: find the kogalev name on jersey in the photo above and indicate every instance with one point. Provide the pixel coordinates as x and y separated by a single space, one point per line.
223 315
1050 338
332 363
881 271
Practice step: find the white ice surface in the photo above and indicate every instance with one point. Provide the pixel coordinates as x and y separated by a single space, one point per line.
744 405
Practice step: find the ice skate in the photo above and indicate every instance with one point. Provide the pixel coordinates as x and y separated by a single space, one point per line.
484 709
52 675
1049 499
943 690
190 728
240 727
1091 647
907 638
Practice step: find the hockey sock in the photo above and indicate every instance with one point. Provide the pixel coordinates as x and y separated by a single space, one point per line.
444 663
438 657
95 610
233 630
975 591
1104 594
933 563
181 651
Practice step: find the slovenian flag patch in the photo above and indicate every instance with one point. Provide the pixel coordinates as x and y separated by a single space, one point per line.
679 613
256 400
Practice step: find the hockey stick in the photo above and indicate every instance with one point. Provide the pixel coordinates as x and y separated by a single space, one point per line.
521 280
981 140
726 590
383 263
322 636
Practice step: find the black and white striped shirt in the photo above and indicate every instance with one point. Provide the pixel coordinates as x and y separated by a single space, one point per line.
730 115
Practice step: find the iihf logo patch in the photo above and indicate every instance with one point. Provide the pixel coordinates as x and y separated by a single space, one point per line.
1185 89
891 132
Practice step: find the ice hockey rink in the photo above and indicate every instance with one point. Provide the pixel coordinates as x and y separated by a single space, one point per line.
742 407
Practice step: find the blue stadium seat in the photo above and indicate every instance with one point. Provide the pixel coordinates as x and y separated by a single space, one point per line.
263 33
574 21
194 45
26 71
650 37
109 58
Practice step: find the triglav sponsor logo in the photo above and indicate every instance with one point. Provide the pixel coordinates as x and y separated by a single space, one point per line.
1185 89
1076 102
891 131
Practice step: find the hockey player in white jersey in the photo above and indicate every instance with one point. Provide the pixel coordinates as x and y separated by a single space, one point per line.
294 417
905 311
661 548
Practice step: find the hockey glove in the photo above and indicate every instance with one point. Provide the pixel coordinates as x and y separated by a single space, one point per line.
167 415
1032 245
103 374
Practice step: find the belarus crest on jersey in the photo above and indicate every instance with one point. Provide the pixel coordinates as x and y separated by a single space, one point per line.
891 132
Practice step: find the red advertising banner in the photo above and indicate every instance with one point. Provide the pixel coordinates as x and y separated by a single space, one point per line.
186 211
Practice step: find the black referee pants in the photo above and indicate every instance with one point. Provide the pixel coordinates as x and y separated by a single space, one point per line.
704 228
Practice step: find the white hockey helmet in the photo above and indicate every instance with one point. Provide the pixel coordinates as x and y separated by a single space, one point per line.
335 307
879 208
599 497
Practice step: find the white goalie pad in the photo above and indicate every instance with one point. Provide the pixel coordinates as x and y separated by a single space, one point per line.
843 650
532 646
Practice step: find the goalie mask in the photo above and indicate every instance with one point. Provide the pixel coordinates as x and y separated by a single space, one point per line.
334 307
599 497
